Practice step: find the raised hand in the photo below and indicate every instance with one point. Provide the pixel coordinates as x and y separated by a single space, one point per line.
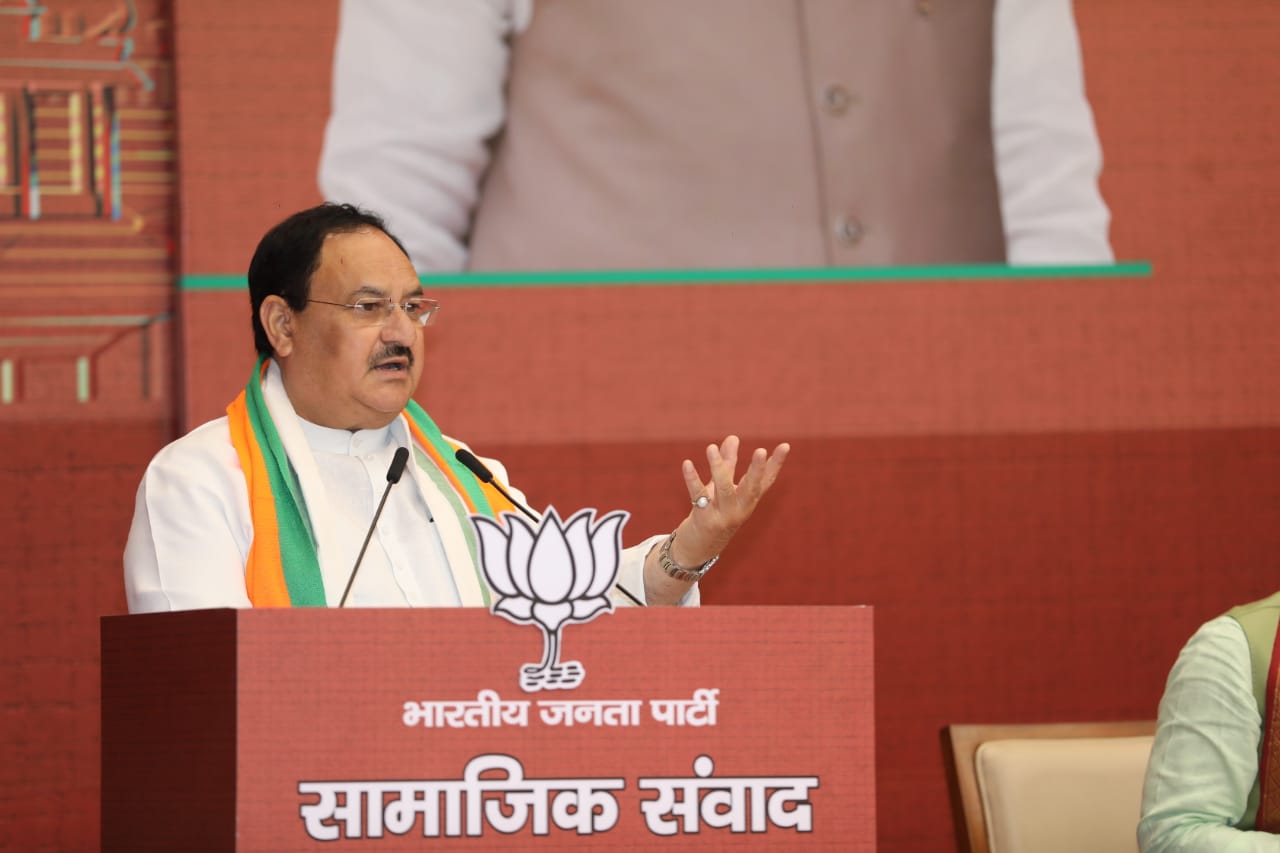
721 506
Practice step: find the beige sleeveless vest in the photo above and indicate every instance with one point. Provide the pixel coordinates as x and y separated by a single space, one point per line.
1260 620
725 133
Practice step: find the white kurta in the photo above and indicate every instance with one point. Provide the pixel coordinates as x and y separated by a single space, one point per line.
192 526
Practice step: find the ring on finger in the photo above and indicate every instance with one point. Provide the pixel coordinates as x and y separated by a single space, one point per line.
701 501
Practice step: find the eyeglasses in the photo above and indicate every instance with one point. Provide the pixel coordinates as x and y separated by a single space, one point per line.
372 310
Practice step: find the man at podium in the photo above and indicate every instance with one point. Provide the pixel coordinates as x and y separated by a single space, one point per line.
272 504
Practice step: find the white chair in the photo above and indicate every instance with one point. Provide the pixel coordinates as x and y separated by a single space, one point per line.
1049 787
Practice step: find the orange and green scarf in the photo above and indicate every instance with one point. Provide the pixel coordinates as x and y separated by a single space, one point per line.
283 569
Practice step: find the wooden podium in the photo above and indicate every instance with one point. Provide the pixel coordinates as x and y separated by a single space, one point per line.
395 729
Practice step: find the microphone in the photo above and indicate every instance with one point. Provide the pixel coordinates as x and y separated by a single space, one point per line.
394 472
484 475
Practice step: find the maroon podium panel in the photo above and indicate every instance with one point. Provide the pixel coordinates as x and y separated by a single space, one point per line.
391 729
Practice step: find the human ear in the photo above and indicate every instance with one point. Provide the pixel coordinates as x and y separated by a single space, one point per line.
277 319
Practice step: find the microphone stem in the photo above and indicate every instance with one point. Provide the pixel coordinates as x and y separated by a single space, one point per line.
494 482
367 537
622 589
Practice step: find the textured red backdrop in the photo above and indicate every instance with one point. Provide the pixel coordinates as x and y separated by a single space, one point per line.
1042 486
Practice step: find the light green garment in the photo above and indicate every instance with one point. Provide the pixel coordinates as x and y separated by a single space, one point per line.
1204 762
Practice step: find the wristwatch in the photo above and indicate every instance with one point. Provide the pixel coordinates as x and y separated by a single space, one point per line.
677 571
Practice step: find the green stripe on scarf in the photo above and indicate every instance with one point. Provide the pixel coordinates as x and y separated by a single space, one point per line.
297 547
461 473
463 476
298 557
442 484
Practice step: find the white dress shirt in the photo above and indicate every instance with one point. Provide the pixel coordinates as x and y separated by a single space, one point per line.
193 526
419 90
1204 761
405 561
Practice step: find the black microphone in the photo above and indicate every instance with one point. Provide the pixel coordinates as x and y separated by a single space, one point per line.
393 476
484 475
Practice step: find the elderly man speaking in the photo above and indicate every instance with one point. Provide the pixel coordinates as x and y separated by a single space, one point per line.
269 506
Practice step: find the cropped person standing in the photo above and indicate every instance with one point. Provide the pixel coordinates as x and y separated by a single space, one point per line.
1213 779
545 134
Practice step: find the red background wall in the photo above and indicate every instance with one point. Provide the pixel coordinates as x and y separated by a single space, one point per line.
1042 486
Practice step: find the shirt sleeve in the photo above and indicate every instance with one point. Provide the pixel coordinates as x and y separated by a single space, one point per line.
417 93
631 574
1204 760
191 529
1048 157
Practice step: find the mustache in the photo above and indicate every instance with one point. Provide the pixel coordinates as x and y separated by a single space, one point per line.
391 351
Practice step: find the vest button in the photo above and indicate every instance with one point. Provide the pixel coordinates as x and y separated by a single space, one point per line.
847 230
836 100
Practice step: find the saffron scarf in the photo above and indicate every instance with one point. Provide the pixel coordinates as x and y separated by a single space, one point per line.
283 569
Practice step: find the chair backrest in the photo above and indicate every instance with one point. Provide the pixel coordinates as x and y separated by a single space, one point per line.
1048 787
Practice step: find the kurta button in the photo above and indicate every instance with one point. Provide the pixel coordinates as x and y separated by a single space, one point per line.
924 7
836 100
847 230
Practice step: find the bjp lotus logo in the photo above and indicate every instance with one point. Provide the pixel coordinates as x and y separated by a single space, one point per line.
550 576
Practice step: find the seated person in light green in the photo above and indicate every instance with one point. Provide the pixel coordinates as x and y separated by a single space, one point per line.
1213 780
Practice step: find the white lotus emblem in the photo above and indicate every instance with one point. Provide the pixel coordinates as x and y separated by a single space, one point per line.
559 573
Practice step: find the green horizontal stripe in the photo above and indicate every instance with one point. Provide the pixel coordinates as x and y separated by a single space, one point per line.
796 275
